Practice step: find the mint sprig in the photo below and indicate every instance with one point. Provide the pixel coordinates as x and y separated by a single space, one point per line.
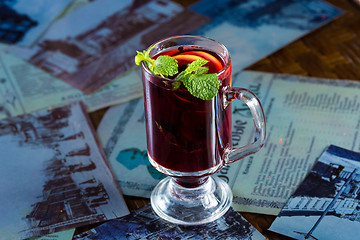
144 56
198 82
164 65
203 86
195 77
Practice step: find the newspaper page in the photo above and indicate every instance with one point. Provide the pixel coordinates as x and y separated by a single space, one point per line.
25 88
102 44
145 224
326 204
23 23
303 116
54 174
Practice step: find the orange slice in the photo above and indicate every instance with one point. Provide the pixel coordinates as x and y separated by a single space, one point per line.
186 58
214 64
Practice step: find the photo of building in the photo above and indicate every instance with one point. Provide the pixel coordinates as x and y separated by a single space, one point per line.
67 183
327 203
91 57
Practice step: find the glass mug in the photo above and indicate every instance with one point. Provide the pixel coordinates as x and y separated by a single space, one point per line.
189 139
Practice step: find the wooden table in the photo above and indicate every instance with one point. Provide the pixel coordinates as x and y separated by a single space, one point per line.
332 51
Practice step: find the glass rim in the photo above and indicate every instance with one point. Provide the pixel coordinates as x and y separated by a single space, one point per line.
227 64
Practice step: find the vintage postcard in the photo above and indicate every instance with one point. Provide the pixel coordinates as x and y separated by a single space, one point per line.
102 44
326 205
22 23
54 176
25 88
145 224
253 29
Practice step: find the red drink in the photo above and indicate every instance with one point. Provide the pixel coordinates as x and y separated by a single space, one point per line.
182 135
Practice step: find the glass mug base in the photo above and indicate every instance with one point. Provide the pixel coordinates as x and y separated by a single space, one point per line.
191 206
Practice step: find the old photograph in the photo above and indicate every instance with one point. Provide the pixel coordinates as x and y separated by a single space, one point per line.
238 24
54 175
145 224
326 205
102 44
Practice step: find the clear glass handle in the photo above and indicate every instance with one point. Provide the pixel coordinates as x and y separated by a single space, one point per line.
249 98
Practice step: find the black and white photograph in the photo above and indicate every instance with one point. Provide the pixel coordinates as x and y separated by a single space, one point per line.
102 44
239 23
326 205
145 224
53 174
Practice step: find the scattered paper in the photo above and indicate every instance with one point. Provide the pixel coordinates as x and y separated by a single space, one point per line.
103 42
251 30
54 175
25 88
326 205
145 224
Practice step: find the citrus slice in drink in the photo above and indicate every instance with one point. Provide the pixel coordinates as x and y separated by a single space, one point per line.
186 58
214 64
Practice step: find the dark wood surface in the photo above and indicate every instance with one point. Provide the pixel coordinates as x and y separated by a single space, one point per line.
332 51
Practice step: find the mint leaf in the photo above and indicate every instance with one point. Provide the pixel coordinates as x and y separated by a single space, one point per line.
195 65
203 86
180 76
139 57
144 56
165 65
199 84
148 51
201 70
